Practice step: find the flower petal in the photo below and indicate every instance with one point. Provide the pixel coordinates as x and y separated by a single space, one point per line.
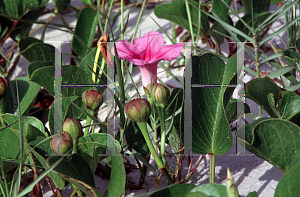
145 72
169 52
126 50
149 45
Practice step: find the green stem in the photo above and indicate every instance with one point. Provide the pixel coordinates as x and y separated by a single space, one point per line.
1 113
25 178
143 128
139 18
190 22
257 66
89 122
161 113
75 146
212 158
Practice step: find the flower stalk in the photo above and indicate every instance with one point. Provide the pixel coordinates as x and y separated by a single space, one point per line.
143 128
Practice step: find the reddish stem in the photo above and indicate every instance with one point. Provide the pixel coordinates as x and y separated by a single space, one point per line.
49 183
9 32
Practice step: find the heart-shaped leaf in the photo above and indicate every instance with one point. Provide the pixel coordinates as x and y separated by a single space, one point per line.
28 91
211 189
288 104
258 90
36 126
211 132
274 140
76 171
36 65
175 190
292 57
87 144
35 50
289 184
44 77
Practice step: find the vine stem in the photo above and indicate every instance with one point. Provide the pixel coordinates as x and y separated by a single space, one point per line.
143 128
257 66
161 113
212 158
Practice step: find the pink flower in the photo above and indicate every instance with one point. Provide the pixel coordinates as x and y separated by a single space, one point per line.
146 52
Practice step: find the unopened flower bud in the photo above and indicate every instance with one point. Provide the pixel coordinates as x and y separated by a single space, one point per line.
3 87
73 127
148 90
231 186
61 143
92 99
160 95
138 110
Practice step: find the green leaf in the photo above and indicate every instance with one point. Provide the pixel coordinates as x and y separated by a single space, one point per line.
252 194
87 144
27 93
22 29
117 179
176 12
44 77
276 2
280 72
135 139
36 65
87 62
293 58
9 144
76 171
274 140
26 121
175 190
61 5
289 184
11 8
257 6
211 189
35 50
72 75
217 31
196 194
288 104
272 104
84 31
232 109
258 90
220 9
211 132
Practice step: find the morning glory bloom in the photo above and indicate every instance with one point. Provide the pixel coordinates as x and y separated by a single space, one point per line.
146 52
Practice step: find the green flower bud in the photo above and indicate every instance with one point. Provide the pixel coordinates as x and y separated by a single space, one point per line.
3 87
160 95
138 110
230 186
61 143
148 91
92 99
73 127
